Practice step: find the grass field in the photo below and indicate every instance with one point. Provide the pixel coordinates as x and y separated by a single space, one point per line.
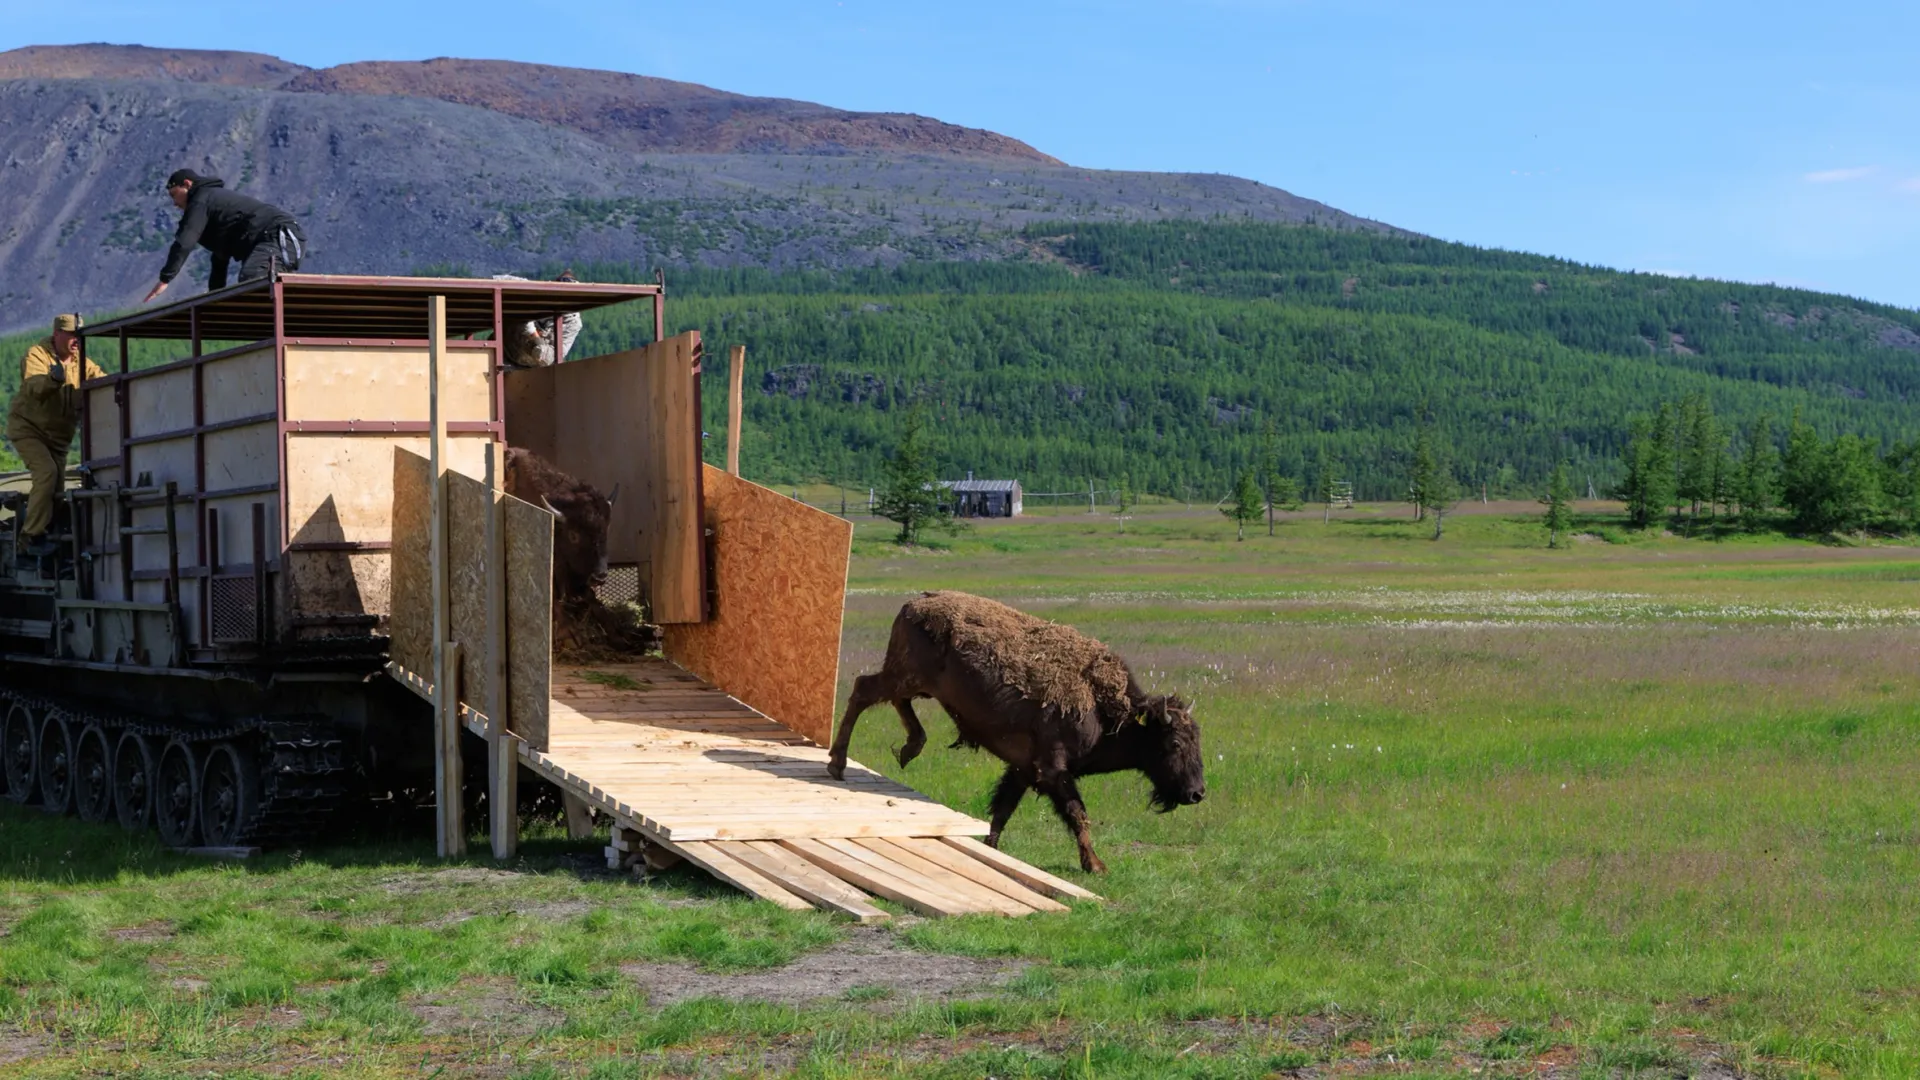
1475 808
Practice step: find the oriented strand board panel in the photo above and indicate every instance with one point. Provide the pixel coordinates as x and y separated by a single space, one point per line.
410 620
469 502
241 457
160 403
780 584
333 583
238 386
529 544
630 419
340 487
103 422
342 382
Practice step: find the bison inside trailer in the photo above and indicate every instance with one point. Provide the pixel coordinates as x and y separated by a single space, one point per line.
204 651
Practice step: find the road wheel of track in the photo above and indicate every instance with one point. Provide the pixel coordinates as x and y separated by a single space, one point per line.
133 766
17 753
176 795
229 796
93 774
56 765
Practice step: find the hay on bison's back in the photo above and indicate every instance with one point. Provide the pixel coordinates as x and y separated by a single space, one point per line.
1046 662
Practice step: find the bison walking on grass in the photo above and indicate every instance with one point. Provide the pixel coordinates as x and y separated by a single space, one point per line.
1052 703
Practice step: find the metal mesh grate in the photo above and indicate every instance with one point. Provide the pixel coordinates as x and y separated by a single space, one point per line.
234 609
621 587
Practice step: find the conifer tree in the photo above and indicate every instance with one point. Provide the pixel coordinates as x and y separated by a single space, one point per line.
911 496
1757 485
1326 492
1442 493
1559 503
1269 467
1244 505
1423 471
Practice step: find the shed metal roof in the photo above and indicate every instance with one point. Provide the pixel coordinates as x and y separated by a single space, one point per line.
331 305
965 486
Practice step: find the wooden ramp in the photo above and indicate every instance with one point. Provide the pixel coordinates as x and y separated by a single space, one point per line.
686 771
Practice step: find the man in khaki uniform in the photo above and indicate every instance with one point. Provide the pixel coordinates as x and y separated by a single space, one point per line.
46 410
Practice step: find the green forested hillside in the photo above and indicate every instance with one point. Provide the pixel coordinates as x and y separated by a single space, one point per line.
1159 350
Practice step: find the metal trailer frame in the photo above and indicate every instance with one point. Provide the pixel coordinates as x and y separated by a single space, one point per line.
274 313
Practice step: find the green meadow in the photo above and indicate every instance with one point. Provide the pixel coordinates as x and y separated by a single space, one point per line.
1640 807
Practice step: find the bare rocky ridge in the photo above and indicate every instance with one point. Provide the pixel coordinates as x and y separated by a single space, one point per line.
636 112
102 61
489 166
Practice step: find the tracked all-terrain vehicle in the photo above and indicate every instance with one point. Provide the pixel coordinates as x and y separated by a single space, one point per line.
204 652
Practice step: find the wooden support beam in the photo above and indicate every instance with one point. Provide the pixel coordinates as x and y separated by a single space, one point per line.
450 829
503 755
736 376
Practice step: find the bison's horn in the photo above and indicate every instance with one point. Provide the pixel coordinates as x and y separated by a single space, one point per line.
550 507
615 497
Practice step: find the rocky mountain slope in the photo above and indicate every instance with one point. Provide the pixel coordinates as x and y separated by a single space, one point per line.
494 166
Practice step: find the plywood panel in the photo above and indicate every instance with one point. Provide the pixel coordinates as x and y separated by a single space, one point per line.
675 570
529 545
367 383
469 502
340 487
780 579
241 457
630 419
103 420
161 403
410 619
328 583
238 386
158 462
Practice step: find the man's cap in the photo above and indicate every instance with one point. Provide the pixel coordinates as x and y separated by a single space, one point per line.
67 324
181 176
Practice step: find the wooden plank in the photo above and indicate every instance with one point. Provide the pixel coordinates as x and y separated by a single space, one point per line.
736 372
671 543
977 872
354 382
1031 876
529 581
874 879
806 880
448 781
982 898
717 862
503 757
780 575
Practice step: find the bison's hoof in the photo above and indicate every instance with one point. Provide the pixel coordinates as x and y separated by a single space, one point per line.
1092 865
837 768
905 754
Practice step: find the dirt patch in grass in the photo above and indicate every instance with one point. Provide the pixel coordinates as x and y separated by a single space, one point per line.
434 880
17 1046
869 966
147 934
489 1009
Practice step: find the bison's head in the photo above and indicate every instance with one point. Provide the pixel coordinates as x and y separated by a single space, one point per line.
1175 763
580 539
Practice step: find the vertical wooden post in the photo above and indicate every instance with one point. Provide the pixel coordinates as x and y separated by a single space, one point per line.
503 752
451 839
736 374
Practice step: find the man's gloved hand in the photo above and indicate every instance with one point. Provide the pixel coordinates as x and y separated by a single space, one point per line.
57 371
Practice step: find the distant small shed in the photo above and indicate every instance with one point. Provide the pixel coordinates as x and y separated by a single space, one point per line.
984 498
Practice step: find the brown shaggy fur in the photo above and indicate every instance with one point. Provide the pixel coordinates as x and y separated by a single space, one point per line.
1049 664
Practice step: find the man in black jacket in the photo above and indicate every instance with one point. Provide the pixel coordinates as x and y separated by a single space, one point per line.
232 226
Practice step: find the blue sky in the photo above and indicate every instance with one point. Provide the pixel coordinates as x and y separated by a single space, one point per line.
1760 141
